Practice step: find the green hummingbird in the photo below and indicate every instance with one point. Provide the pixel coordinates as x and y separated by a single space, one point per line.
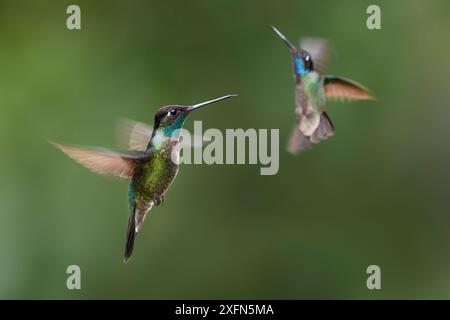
151 170
313 90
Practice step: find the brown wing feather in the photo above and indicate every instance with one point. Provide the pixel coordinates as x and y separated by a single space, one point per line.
102 161
345 89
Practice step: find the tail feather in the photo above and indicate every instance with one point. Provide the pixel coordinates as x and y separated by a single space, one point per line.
298 141
131 233
324 130
327 127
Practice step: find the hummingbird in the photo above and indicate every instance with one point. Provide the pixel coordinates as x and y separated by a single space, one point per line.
151 170
313 90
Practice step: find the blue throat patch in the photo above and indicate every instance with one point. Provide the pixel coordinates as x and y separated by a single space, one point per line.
163 134
177 125
299 66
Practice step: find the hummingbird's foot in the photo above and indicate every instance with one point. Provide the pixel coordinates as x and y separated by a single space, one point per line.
159 201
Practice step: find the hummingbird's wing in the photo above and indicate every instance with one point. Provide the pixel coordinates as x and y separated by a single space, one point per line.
133 135
338 88
319 50
104 161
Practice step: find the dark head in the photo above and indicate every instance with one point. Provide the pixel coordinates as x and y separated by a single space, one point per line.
168 119
303 63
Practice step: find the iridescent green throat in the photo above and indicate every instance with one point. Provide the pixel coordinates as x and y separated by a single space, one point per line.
167 132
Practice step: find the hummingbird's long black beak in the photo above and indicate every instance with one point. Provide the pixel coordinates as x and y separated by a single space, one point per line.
201 104
288 43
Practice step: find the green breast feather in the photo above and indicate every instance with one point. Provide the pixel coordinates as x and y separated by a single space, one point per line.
154 178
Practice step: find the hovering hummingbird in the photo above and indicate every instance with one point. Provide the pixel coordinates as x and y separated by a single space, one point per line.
313 89
152 169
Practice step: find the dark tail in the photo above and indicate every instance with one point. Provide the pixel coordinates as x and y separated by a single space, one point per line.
324 130
131 233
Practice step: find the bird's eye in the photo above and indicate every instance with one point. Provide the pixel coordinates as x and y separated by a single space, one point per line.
172 112
308 61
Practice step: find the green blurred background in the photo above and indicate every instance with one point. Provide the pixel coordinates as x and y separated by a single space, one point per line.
376 193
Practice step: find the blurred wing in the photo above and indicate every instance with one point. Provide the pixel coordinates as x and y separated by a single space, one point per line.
104 161
298 142
133 135
344 89
319 50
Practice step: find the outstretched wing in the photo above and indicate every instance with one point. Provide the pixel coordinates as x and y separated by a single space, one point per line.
133 135
344 89
104 161
319 50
